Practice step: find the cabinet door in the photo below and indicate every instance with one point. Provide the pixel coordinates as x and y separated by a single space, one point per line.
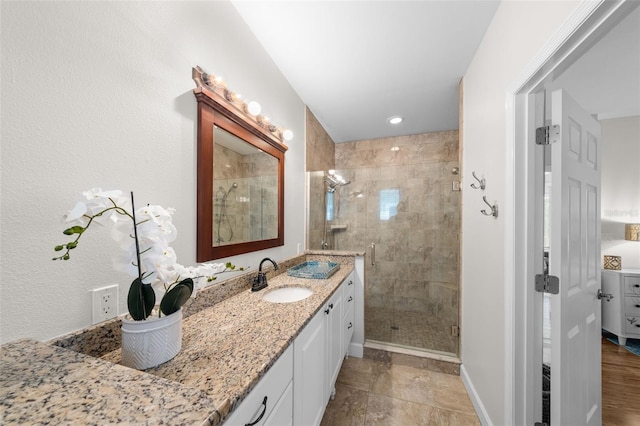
334 339
310 372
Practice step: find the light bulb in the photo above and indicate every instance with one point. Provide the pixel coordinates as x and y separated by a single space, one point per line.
287 135
395 120
254 108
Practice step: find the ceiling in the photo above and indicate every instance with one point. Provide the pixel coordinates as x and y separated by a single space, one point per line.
357 63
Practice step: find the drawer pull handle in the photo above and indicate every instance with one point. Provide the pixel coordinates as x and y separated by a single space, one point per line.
637 285
350 282
264 410
351 325
351 298
330 305
637 306
326 311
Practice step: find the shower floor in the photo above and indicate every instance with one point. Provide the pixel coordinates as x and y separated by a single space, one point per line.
416 330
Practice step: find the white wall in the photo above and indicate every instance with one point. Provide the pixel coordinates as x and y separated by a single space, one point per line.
620 187
520 29
99 94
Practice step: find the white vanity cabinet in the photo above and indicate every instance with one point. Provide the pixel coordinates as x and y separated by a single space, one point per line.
310 372
335 346
621 314
348 309
318 354
270 403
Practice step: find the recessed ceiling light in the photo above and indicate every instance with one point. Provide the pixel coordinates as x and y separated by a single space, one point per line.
395 119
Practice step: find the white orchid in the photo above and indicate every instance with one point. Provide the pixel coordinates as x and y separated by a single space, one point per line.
147 253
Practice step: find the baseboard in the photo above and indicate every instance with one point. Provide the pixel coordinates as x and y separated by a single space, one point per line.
475 398
356 350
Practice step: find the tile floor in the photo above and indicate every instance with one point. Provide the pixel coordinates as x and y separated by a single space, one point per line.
420 330
380 392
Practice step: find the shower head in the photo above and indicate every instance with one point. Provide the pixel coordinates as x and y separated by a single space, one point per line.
231 188
334 181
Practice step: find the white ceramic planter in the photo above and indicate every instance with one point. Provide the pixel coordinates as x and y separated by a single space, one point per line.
151 342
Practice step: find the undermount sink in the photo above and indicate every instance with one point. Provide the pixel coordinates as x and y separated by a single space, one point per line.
287 295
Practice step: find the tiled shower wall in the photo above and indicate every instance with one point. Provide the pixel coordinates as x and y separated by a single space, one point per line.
412 290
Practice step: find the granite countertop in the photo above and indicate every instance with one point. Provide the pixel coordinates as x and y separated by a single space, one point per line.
226 349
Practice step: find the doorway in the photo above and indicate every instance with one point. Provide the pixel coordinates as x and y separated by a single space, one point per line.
592 22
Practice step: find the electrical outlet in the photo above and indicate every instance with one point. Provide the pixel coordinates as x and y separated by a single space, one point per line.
105 303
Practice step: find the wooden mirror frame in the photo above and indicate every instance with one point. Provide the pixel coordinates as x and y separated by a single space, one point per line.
218 106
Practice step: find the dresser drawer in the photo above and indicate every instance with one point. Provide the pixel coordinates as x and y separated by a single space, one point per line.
632 284
632 324
632 305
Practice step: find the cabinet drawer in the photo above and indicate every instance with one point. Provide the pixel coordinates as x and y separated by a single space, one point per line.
632 284
632 324
282 414
632 305
349 325
349 286
271 387
349 300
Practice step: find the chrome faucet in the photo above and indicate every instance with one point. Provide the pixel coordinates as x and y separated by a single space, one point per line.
260 281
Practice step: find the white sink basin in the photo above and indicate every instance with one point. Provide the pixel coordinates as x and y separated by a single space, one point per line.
287 295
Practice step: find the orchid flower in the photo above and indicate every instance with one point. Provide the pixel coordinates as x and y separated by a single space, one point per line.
155 232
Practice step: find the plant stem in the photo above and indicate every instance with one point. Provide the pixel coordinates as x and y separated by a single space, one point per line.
115 207
135 233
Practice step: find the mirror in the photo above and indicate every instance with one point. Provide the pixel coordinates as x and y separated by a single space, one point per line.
240 176
245 191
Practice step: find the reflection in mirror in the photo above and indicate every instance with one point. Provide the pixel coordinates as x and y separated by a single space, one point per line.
245 197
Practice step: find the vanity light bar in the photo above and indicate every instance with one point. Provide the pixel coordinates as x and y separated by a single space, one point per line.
251 109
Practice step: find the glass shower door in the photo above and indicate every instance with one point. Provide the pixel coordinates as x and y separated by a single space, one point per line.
411 215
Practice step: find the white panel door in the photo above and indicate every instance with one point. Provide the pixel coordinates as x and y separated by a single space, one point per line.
575 259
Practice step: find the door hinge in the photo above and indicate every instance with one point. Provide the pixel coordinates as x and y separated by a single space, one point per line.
547 134
455 330
546 283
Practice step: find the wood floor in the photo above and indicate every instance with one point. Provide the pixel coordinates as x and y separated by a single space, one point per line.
620 385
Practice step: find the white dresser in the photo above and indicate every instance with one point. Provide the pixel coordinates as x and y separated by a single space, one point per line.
621 314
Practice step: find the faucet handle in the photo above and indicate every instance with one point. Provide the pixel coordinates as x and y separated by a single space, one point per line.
259 282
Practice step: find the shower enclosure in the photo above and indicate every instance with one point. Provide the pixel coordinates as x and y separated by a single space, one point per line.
401 199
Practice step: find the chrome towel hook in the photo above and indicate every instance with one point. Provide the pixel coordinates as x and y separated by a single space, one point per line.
481 182
494 208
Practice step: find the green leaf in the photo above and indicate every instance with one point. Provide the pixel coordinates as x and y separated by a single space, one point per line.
72 245
177 296
58 248
140 307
